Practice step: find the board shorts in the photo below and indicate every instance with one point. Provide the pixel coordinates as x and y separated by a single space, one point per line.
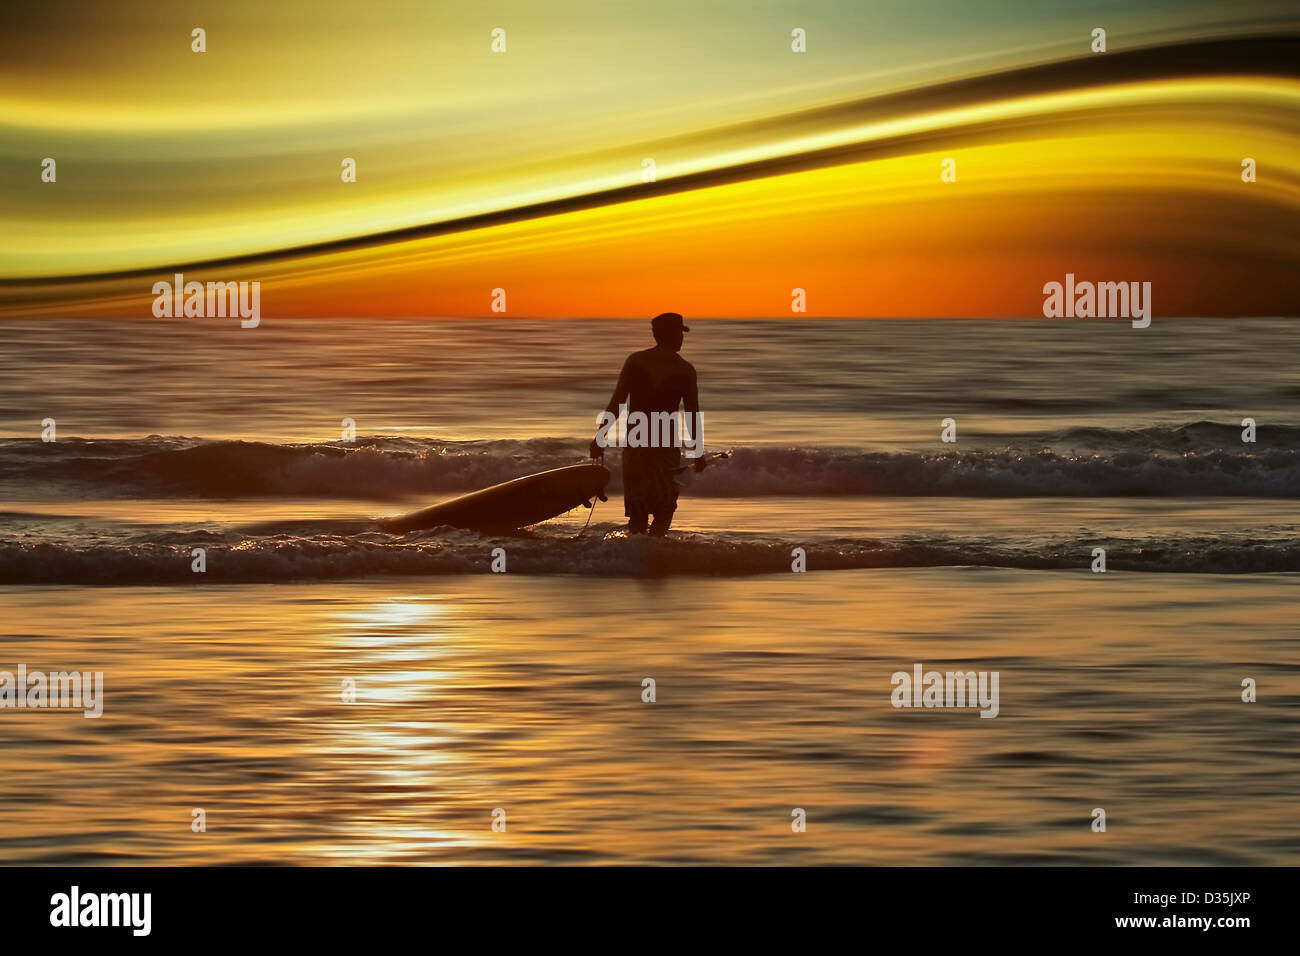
649 485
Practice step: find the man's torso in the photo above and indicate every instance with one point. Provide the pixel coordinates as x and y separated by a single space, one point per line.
658 380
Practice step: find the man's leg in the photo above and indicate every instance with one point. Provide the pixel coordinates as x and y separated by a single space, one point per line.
634 490
637 519
663 520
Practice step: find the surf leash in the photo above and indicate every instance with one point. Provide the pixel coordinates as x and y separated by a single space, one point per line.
590 512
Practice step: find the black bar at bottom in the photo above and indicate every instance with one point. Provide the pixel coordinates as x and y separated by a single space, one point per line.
662 906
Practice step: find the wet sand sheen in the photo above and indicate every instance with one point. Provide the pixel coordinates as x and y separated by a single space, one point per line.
484 691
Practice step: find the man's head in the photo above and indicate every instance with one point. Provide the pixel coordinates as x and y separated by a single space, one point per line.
668 328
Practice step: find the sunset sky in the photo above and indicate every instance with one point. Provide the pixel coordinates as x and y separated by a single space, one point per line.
775 170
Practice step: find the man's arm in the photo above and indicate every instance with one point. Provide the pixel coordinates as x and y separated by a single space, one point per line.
691 404
621 390
691 398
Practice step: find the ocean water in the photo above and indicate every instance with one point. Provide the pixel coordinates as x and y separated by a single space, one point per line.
522 691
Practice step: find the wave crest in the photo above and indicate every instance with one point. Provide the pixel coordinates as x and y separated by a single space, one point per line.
236 558
1198 459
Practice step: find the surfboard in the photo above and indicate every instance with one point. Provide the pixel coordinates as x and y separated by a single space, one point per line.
512 504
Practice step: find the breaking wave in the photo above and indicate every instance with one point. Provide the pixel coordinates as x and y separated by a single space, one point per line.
337 550
1198 459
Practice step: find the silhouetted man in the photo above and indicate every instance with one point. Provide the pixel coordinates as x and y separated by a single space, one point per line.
654 380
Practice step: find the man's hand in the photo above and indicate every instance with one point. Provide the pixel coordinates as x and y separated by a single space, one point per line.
596 450
705 460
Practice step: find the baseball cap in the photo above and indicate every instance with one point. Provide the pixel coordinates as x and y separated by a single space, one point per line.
668 321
